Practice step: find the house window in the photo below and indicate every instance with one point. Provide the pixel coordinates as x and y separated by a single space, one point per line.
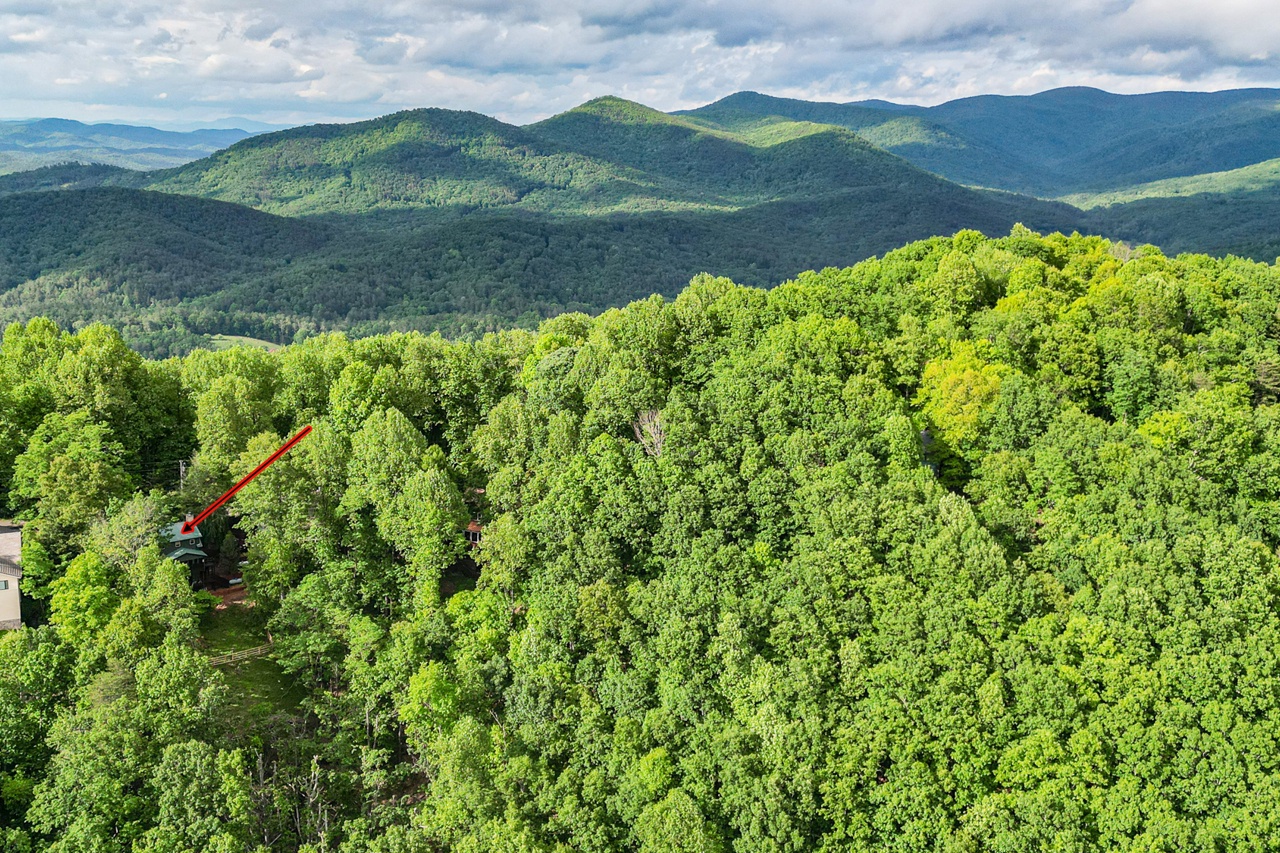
4 584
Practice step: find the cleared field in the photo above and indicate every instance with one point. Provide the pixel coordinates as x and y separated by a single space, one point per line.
221 342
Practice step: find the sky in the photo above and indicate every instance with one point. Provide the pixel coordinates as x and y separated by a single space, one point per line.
188 62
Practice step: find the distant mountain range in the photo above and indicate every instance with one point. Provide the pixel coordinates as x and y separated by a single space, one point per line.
439 219
45 142
1053 144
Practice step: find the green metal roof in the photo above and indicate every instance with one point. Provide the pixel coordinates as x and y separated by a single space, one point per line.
173 533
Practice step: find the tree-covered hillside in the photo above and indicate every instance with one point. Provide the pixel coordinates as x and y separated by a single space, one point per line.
1051 144
1241 223
969 547
453 221
1234 212
160 266
607 156
421 159
66 176
439 220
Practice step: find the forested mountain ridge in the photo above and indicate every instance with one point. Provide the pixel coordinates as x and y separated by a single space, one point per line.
416 159
972 546
66 176
1052 144
156 264
434 219
607 156
446 220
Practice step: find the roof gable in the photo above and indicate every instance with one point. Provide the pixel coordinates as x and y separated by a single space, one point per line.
179 553
173 533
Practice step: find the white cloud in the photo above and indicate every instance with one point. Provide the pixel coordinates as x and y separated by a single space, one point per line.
184 60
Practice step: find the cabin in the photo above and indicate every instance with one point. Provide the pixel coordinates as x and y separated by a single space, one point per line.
10 574
186 548
473 531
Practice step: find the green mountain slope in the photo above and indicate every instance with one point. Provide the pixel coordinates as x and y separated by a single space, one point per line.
899 130
134 257
68 176
1258 177
1054 143
607 156
133 233
115 254
891 129
1227 223
443 220
738 164
434 163
437 219
418 159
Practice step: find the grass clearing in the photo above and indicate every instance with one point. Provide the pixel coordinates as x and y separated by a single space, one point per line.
221 342
235 627
258 687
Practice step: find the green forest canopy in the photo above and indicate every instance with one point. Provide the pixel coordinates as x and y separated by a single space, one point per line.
968 547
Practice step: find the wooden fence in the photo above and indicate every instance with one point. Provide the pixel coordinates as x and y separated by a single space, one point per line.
243 654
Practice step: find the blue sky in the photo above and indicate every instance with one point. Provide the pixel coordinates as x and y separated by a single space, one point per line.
174 62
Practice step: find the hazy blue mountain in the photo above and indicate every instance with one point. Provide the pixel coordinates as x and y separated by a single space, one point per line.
31 144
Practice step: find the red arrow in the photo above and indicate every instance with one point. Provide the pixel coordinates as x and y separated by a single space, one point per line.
189 526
